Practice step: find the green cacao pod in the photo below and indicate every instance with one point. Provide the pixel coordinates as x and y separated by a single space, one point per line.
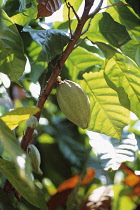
34 155
32 122
74 103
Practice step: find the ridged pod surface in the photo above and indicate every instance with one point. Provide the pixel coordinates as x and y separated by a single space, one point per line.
74 103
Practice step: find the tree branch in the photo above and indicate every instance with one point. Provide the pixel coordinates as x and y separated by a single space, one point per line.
27 138
91 15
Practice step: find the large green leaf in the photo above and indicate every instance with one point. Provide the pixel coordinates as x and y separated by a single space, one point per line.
14 117
31 193
10 142
80 60
93 32
107 114
132 49
113 152
116 33
12 59
122 72
132 24
52 42
16 154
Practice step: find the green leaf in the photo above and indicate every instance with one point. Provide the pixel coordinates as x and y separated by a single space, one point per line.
121 197
14 117
31 193
52 42
10 142
121 14
135 5
132 50
123 72
107 114
72 150
12 59
80 60
116 33
113 152
25 17
17 155
93 32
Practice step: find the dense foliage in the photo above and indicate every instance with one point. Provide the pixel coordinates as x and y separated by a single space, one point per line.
98 48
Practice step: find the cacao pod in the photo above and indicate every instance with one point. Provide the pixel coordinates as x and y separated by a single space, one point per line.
34 155
32 122
74 103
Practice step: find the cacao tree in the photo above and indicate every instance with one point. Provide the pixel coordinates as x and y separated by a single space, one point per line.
69 104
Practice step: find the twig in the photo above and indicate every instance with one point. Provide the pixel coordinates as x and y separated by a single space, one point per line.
116 4
83 32
91 15
80 43
68 6
78 19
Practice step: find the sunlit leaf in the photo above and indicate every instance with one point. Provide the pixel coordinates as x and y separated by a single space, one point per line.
30 192
123 72
73 181
12 59
107 114
112 152
25 17
80 60
14 117
48 7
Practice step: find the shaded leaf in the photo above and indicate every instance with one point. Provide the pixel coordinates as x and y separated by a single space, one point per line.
14 151
72 150
135 5
73 181
31 193
107 114
14 117
121 14
10 142
116 33
52 42
48 7
112 152
12 59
